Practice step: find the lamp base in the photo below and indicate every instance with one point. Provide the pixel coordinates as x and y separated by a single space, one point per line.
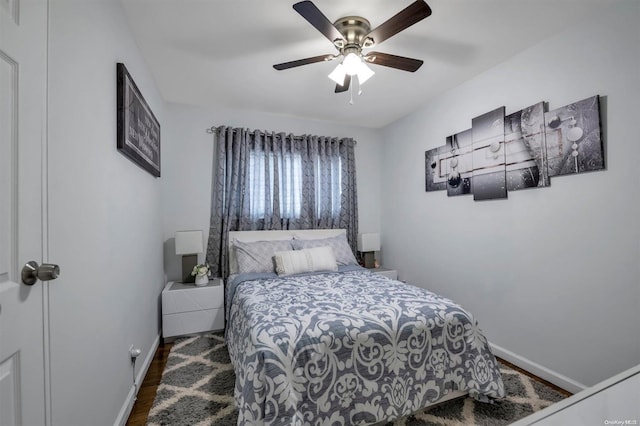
369 259
189 261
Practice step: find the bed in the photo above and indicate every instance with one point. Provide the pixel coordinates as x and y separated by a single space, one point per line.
343 345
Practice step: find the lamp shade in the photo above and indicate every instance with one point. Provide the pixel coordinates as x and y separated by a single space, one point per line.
351 63
368 242
364 73
188 242
338 75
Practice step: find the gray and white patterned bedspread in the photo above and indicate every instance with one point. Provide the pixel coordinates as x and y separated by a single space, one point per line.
349 348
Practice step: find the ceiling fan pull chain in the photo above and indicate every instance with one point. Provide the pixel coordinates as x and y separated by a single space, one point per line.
351 94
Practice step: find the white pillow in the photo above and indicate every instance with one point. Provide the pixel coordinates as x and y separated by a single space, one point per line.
307 260
341 249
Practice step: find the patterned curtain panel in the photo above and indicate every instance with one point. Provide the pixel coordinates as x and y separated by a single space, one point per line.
264 181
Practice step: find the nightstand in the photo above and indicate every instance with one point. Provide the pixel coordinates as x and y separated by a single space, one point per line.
188 309
390 273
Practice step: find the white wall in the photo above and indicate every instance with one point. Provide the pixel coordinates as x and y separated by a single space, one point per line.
552 274
105 217
188 159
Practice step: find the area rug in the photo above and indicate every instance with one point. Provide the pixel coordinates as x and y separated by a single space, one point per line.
197 384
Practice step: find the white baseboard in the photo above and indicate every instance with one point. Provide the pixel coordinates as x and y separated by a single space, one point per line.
551 376
589 405
123 415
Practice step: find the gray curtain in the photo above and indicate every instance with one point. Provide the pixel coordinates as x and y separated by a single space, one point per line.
264 181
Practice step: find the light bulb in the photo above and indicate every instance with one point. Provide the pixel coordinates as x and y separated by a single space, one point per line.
352 63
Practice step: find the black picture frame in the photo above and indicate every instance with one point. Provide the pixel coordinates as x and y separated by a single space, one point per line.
137 127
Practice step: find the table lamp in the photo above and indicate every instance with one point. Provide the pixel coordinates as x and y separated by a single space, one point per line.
188 244
367 245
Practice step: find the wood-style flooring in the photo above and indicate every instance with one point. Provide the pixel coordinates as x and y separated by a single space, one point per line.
149 386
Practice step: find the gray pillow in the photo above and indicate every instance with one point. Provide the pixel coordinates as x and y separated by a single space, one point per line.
341 249
257 256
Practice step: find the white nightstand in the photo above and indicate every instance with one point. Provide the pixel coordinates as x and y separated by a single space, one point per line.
188 309
390 273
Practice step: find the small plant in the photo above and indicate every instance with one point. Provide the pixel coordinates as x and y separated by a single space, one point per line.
200 270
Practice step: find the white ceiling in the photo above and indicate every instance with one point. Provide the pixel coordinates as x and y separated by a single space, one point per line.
221 52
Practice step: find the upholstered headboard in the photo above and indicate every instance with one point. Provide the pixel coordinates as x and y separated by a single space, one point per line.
249 236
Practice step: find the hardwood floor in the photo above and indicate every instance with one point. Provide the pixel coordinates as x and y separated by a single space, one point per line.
536 378
147 393
149 386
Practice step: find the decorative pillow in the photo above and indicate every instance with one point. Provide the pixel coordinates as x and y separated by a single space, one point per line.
306 260
257 256
339 244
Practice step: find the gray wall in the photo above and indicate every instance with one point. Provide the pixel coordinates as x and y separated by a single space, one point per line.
188 159
104 217
552 274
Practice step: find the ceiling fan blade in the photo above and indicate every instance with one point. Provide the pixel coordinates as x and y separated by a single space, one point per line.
393 61
299 62
312 14
413 13
345 86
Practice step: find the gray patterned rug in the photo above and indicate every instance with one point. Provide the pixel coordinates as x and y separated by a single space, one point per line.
197 384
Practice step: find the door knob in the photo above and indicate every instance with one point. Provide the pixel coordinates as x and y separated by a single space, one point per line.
31 272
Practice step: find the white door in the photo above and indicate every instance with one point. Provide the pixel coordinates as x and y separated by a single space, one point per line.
23 309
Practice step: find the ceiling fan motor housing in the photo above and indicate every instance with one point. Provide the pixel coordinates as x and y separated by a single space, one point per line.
354 29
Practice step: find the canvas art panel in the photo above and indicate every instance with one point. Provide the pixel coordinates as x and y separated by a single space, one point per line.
573 137
458 163
435 175
489 171
525 149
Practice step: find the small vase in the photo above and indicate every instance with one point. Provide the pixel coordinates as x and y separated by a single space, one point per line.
202 280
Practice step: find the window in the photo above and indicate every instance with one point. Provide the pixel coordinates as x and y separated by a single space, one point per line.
265 181
264 194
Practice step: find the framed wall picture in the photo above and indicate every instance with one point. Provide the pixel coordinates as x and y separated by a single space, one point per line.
138 129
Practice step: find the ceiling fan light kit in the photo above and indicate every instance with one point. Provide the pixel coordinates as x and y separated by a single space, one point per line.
350 66
350 35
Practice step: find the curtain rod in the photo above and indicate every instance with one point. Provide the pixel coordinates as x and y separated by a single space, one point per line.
212 129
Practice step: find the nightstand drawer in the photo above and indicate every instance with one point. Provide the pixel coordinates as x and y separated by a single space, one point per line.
180 298
192 322
189 309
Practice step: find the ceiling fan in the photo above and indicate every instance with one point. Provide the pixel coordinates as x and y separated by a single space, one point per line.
351 34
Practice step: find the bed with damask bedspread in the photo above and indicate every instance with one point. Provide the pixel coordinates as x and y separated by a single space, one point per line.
349 347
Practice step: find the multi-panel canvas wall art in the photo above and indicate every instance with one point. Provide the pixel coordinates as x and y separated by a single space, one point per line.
517 151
